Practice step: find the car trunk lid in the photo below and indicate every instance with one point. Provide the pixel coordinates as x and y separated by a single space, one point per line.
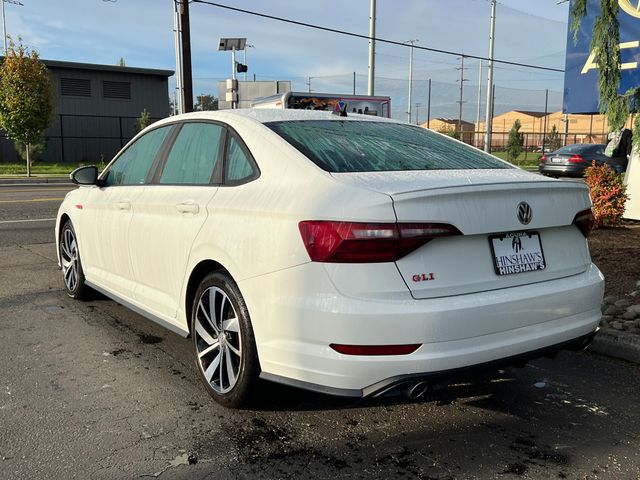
484 205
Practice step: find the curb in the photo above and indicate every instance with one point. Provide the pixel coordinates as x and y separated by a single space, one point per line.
617 345
35 181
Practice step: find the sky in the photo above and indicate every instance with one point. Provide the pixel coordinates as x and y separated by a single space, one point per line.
141 32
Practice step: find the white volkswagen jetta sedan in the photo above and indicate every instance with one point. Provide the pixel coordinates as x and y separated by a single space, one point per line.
350 256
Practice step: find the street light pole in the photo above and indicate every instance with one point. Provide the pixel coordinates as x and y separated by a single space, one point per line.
4 30
411 42
488 123
4 23
176 31
226 44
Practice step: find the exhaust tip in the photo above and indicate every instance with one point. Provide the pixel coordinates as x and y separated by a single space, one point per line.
417 390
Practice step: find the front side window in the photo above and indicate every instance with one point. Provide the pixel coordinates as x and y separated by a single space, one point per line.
194 155
133 165
239 167
359 146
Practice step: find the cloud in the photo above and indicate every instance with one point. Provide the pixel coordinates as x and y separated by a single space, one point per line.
141 32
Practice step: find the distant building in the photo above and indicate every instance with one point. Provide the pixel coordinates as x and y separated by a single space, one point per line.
444 125
96 108
250 91
579 128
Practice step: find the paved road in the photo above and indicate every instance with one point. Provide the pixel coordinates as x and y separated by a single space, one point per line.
26 212
90 390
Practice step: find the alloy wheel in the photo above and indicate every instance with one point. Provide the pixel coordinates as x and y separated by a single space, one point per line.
69 259
218 340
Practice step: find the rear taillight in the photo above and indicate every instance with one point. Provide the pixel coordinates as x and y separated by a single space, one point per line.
585 221
353 242
375 349
576 159
543 159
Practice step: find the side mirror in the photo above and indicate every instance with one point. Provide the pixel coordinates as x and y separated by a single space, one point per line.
85 175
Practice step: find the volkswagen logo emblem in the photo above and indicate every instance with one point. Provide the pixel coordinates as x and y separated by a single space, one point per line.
524 213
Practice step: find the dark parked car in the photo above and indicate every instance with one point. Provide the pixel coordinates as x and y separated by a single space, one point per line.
571 161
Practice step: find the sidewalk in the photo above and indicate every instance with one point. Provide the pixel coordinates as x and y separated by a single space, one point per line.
37 179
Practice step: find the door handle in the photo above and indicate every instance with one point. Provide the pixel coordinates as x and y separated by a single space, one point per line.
123 205
188 207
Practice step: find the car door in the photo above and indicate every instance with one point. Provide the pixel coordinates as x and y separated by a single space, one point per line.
110 209
170 213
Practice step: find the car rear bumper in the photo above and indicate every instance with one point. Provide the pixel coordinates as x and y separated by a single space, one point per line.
573 169
293 333
404 382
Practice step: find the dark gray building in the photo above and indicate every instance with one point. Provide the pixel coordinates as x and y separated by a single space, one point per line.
97 107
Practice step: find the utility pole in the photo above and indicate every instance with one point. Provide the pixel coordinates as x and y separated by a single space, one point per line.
372 49
309 84
245 60
354 83
461 101
186 56
546 112
488 124
418 105
234 102
411 42
477 127
179 104
429 104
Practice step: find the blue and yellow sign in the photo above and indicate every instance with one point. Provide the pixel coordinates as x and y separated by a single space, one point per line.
581 71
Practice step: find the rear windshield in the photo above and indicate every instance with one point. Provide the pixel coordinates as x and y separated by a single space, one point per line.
353 146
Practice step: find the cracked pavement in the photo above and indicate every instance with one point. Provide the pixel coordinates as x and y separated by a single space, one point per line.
90 390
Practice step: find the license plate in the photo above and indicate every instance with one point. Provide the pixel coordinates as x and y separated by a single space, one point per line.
556 159
517 252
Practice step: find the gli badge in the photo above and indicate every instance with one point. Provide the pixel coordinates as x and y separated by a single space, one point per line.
423 277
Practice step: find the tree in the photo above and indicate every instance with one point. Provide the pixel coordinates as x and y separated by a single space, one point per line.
605 43
143 122
26 97
121 62
515 142
450 131
206 102
553 139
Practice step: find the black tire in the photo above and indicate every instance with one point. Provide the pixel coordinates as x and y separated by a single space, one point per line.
72 273
218 365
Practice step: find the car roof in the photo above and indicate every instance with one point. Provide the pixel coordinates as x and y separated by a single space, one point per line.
265 115
581 146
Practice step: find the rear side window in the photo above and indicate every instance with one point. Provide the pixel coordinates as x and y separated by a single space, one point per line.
239 167
133 165
194 155
353 146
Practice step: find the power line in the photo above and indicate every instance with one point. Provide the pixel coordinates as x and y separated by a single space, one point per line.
366 37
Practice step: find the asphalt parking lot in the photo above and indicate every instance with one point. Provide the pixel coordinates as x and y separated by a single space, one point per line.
90 390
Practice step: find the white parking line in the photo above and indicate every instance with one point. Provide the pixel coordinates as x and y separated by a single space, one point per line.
27 220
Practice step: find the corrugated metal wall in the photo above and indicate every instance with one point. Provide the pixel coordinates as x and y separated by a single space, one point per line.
86 125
